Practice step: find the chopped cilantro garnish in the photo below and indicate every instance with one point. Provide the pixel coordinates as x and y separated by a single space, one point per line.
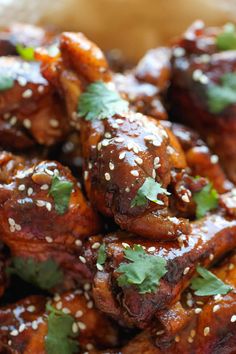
26 53
149 191
61 191
206 200
145 271
226 40
99 102
101 259
60 337
45 274
208 284
221 96
6 82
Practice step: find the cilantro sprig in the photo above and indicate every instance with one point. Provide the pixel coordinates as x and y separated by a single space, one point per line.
101 258
26 53
60 337
6 82
144 271
221 96
99 102
226 40
149 191
206 200
44 275
208 284
61 190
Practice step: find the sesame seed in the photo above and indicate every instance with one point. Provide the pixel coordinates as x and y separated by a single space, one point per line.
59 305
90 346
158 333
87 286
31 308
40 203
99 146
178 52
190 339
22 327
233 318
107 176
107 135
34 325
177 339
82 259
185 198
231 266
96 245
13 120
134 173
27 93
66 310
125 245
14 332
48 206
216 308
82 326
86 295
49 172
99 267
40 89
79 314
85 175
151 249
127 189
78 242
211 257
11 221
206 331
153 174
90 305
105 142
53 123
119 140
22 81
192 333
44 187
48 239
57 297
218 297
122 155
17 227
189 303
186 270
21 187
111 166
75 328
27 123
30 191
214 159
156 162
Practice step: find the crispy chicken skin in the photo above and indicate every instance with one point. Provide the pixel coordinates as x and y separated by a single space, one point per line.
197 65
196 324
210 239
30 111
24 197
24 325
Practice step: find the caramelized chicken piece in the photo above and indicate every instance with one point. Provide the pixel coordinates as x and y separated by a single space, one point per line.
198 70
24 34
44 215
30 110
26 327
210 239
196 324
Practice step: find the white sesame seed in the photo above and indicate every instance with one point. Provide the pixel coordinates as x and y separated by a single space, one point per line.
82 326
49 172
99 146
96 245
27 93
198 310
12 228
185 198
34 325
30 191
27 123
211 256
178 52
127 189
54 123
125 245
107 135
189 303
186 270
139 160
151 249
214 159
134 173
66 310
44 187
192 333
85 175
22 81
119 139
87 286
90 346
231 266
153 174
40 89
190 340
11 222
233 318
14 333
206 331
40 203
105 142
59 305
48 206
17 227
82 259
57 297
78 242
48 239
107 176
22 327
90 304
31 308
13 120
158 333
79 314
99 267
216 308
122 155
111 166
75 328
177 339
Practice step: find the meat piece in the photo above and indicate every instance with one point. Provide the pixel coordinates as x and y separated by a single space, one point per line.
25 35
196 324
30 110
210 239
34 226
198 67
24 326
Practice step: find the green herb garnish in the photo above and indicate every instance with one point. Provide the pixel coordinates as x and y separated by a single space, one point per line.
145 271
26 53
226 40
149 191
101 259
6 82
208 284
223 95
60 337
206 200
45 274
98 102
61 191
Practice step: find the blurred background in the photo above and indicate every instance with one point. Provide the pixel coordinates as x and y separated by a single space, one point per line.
130 25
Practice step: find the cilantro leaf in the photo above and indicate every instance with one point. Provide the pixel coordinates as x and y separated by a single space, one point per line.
26 53
208 284
221 96
145 271
45 274
61 191
6 82
227 39
101 259
206 200
99 102
60 337
149 190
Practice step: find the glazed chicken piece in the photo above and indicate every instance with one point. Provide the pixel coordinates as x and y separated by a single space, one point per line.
124 151
26 35
210 239
44 217
39 325
196 324
30 110
200 94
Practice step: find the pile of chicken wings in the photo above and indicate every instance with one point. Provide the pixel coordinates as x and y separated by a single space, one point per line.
117 195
